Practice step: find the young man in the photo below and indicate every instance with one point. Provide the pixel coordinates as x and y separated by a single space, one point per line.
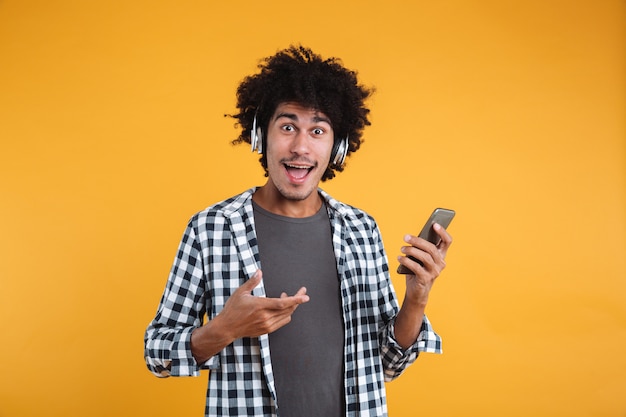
328 348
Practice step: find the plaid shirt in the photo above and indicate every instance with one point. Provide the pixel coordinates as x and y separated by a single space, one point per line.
218 252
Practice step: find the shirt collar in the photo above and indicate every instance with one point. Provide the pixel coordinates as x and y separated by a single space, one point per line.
242 200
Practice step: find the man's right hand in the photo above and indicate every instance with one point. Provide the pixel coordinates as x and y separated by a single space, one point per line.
244 315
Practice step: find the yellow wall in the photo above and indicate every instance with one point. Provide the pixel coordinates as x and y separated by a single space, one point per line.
511 112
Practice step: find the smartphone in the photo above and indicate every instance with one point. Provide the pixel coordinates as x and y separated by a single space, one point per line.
440 216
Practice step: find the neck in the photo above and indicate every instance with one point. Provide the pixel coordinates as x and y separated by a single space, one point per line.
269 198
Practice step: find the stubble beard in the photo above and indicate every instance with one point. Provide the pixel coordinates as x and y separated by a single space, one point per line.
294 193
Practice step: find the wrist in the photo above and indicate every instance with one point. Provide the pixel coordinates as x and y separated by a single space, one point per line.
415 305
210 339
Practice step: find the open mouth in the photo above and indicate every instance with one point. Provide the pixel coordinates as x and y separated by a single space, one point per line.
297 172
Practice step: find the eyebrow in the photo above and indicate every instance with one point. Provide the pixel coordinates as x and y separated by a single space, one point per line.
294 117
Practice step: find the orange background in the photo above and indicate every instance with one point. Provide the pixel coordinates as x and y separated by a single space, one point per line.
112 135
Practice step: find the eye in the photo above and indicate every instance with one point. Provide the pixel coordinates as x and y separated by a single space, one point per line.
288 128
318 131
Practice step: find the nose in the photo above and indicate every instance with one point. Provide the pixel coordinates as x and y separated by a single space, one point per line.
300 143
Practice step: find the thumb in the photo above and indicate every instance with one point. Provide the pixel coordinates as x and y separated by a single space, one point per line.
251 283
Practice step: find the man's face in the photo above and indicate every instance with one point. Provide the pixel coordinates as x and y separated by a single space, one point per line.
299 143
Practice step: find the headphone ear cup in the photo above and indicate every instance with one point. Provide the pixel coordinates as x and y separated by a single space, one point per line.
340 150
256 137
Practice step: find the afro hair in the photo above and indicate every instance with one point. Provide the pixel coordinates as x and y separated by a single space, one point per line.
296 74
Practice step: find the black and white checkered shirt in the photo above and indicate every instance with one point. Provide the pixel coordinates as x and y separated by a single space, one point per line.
218 252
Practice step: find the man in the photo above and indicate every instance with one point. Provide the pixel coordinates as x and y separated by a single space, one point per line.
327 349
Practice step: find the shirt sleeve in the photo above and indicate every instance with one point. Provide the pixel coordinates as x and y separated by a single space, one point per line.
396 359
167 341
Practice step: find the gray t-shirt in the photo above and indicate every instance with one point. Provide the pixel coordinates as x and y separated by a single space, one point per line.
307 353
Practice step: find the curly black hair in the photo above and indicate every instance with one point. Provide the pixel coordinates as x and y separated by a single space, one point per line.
296 74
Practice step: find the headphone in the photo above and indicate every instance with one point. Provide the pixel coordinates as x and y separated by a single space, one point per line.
337 156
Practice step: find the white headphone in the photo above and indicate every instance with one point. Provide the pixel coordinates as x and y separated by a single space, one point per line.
337 156
256 137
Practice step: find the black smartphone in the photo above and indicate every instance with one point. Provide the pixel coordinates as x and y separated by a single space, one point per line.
440 216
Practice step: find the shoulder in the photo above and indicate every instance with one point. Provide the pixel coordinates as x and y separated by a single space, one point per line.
236 206
351 215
